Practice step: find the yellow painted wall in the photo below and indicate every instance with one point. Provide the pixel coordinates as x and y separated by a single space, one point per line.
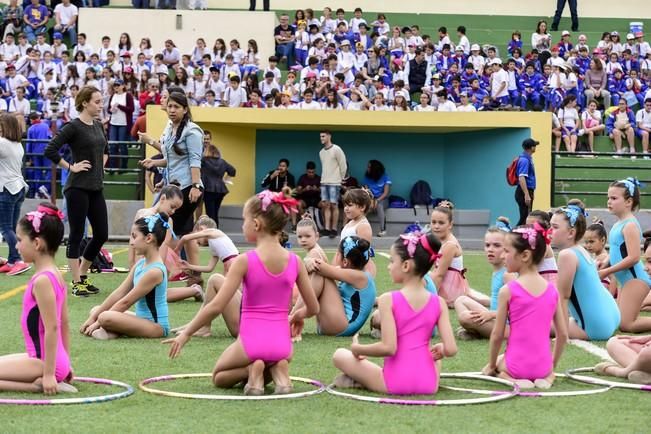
234 132
160 25
587 8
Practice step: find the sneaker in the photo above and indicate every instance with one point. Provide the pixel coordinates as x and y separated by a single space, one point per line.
382 233
5 268
18 268
646 157
79 290
179 277
332 233
633 157
324 232
89 285
44 193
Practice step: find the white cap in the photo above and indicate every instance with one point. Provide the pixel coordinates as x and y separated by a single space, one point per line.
344 42
324 74
630 36
565 33
402 93
558 62
474 47
496 61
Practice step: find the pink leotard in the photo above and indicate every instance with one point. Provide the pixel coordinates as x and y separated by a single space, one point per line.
266 297
528 354
411 370
34 330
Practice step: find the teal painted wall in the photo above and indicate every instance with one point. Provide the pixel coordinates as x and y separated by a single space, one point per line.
469 168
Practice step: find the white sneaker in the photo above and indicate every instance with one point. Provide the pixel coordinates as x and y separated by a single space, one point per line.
381 233
581 132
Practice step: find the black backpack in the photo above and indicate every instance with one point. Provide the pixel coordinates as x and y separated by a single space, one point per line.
421 194
102 262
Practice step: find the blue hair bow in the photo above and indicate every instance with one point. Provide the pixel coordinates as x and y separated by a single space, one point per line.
349 244
151 222
573 212
631 183
503 226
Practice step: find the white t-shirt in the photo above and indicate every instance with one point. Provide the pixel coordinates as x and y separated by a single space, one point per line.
466 108
119 117
66 13
589 120
235 97
568 117
313 105
644 118
447 106
427 108
465 44
499 77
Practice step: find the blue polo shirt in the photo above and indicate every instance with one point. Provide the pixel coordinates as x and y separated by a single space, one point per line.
525 168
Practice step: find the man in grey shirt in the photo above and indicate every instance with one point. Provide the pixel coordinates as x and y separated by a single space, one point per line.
333 171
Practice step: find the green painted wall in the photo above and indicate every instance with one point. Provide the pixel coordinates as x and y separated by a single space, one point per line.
469 168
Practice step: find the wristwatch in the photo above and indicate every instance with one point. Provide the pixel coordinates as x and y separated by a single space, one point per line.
198 186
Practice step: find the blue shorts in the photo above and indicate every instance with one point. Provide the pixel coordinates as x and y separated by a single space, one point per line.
639 131
330 193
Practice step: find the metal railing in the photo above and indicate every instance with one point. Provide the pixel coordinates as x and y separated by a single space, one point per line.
55 171
624 164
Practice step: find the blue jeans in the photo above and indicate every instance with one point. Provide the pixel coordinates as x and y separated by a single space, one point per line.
31 32
118 133
286 50
71 32
9 213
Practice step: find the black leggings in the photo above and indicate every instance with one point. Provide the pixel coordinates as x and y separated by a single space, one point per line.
523 208
82 204
183 217
213 201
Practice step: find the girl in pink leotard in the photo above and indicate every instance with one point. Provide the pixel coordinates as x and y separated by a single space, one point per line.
44 320
408 318
530 303
267 275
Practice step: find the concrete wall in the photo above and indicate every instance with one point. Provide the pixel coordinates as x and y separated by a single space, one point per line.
468 168
587 8
160 25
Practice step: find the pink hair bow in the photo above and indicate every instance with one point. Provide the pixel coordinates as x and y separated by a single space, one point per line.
35 217
531 233
288 204
410 241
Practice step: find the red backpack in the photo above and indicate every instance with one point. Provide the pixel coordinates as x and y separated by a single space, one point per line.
511 172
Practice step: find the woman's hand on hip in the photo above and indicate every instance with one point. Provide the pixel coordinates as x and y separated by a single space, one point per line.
80 166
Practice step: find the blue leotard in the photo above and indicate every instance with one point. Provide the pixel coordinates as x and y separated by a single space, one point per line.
430 286
618 252
590 303
497 282
153 306
358 304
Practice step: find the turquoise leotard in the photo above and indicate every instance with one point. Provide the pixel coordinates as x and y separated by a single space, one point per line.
430 286
497 282
590 303
618 252
153 306
358 304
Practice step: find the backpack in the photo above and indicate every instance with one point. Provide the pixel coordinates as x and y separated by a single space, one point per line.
421 194
102 262
511 172
398 202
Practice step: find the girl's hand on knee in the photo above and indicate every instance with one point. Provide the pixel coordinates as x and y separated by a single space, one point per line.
177 344
437 351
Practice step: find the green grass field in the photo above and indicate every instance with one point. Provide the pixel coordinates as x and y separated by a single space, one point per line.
131 360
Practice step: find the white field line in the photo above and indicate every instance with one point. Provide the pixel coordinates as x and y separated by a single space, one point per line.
592 349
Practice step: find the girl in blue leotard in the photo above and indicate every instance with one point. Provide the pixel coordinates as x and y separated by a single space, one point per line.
346 295
145 287
625 237
593 312
475 319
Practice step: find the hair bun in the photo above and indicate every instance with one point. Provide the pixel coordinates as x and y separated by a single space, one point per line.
446 204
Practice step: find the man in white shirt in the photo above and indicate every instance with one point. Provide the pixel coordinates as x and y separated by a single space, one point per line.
445 105
268 84
20 104
643 120
464 43
308 102
14 81
499 82
65 15
9 49
234 95
333 171
41 45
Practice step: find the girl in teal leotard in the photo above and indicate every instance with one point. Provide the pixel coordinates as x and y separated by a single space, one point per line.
593 312
475 319
625 237
145 288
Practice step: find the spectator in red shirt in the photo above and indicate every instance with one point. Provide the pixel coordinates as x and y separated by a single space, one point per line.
152 94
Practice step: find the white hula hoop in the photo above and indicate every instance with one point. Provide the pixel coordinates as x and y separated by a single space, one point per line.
502 395
128 390
571 373
319 387
534 394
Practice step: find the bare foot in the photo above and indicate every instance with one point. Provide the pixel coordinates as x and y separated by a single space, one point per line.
343 381
199 295
104 335
280 376
297 338
255 384
524 384
542 383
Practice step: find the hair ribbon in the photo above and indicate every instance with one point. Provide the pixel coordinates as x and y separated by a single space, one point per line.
35 217
631 183
573 212
288 204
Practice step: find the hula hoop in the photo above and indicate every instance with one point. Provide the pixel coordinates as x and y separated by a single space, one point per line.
571 373
128 390
534 394
143 386
502 395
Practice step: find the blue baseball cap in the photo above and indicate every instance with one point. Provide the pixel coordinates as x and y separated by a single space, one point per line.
57 35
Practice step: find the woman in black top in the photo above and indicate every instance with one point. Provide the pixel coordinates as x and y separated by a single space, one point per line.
84 187
213 169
